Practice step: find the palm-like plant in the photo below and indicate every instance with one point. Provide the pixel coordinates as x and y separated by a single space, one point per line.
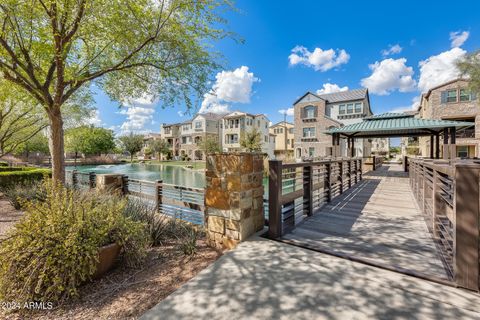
252 141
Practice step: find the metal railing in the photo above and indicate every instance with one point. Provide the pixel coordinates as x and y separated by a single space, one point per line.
447 193
296 190
180 202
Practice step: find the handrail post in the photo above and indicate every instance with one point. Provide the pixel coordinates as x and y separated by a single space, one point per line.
340 173
374 163
74 178
466 225
125 185
349 163
158 194
91 180
328 171
308 188
275 228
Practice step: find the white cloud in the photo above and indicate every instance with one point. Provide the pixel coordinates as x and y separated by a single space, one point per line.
389 75
320 60
94 118
230 87
457 38
412 107
139 112
331 88
288 112
180 113
392 50
439 69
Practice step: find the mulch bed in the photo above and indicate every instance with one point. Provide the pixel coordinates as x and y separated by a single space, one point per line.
128 293
8 215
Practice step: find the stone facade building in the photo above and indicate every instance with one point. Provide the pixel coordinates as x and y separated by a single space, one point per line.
453 101
315 113
235 125
284 139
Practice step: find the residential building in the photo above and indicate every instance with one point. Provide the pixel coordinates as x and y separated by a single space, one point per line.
171 134
235 125
315 113
380 146
146 141
453 101
284 139
193 132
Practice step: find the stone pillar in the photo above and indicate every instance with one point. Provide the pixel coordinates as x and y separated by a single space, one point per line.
233 197
110 181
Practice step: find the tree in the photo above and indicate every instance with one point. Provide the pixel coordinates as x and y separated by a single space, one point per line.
159 147
469 66
37 143
132 143
210 145
56 49
252 141
89 140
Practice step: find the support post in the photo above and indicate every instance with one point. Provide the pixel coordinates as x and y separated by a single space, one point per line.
466 225
274 196
91 180
349 162
453 147
353 147
328 171
405 164
446 147
308 189
74 179
158 194
431 146
437 146
340 173
374 163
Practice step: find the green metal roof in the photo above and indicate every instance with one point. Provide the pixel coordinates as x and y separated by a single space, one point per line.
397 125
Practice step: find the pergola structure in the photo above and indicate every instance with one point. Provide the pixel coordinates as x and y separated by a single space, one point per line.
394 125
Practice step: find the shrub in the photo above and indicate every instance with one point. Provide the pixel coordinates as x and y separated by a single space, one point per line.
156 224
53 249
23 176
18 194
188 244
3 164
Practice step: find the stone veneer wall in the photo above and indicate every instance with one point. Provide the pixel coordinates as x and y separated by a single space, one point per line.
233 197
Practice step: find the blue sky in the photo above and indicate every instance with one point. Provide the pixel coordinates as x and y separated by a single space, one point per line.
343 44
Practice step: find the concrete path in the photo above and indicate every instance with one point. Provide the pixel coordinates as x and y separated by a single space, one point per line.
264 279
377 221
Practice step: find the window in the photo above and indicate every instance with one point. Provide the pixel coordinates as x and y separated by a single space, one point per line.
198 124
290 130
341 109
465 95
449 96
232 138
299 153
258 123
288 141
280 130
309 112
266 139
308 132
311 151
358 107
184 140
462 151
349 107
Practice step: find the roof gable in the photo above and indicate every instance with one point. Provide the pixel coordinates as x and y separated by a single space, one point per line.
308 97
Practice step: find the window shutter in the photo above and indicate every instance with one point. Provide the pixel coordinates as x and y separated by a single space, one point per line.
444 97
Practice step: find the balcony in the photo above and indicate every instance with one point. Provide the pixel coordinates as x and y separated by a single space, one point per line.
309 119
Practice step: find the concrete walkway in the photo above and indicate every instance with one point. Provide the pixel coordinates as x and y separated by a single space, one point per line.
377 221
264 279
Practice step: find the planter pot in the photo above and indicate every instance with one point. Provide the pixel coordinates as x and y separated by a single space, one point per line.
107 256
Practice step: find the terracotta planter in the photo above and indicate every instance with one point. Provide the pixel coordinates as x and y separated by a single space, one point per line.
107 256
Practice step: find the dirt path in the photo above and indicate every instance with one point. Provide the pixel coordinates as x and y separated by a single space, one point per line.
8 215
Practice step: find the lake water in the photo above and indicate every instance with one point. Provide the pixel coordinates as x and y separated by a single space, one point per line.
169 174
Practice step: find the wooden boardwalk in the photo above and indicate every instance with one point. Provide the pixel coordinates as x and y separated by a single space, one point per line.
377 221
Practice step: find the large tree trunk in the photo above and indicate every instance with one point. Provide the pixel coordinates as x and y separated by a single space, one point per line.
56 145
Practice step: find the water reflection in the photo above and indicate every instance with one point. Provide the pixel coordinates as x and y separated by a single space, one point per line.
169 174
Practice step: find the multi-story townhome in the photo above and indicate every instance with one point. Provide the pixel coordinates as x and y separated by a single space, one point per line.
381 146
146 141
284 139
453 101
171 134
315 113
203 126
236 124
